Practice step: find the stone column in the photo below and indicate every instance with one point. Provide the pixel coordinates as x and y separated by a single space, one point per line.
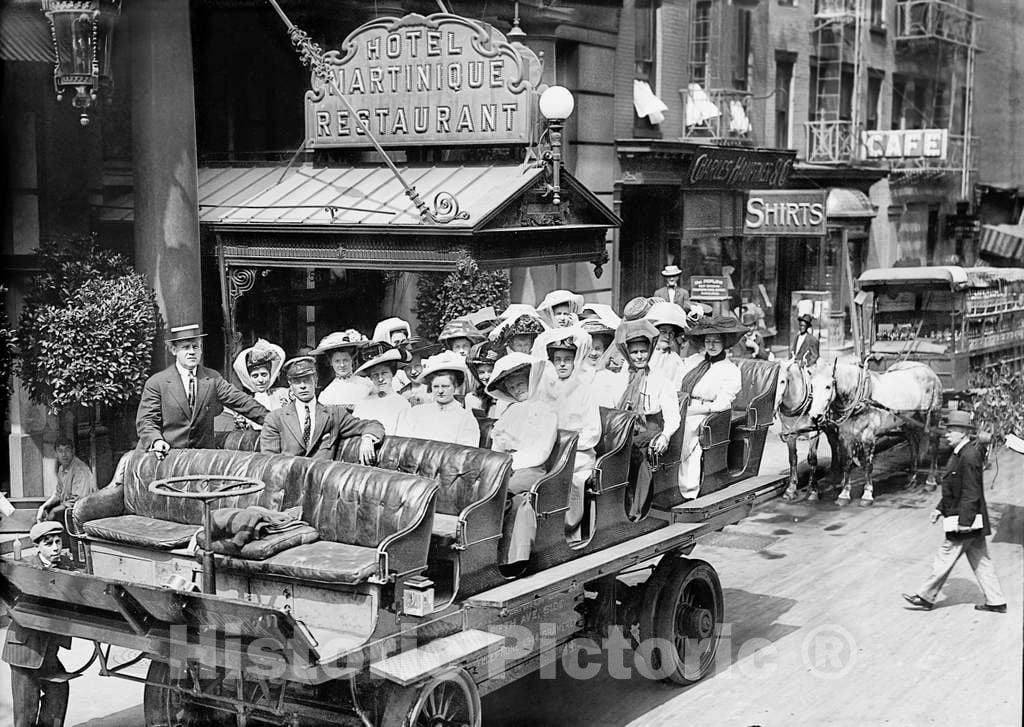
164 153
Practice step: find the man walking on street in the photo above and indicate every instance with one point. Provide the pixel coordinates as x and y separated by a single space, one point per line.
179 404
965 520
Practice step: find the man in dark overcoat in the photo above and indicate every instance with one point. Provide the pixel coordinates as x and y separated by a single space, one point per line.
179 404
965 520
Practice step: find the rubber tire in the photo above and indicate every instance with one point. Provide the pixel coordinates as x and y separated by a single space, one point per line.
652 594
402 705
690 574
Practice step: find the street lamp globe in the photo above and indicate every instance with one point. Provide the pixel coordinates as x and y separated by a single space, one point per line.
556 103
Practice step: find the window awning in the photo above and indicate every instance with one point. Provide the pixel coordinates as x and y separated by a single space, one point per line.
25 35
1003 241
369 199
361 217
847 203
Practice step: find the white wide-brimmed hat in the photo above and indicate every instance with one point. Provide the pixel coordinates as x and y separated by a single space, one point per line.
671 271
383 330
262 352
668 314
339 340
444 361
392 356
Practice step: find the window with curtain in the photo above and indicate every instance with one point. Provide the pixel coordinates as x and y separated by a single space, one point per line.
899 93
700 42
783 101
646 39
873 110
878 13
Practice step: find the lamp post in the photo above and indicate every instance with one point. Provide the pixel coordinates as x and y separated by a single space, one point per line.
82 31
556 105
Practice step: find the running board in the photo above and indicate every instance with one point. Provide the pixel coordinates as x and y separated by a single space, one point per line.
742 496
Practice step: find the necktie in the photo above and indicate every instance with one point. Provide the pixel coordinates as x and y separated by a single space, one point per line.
192 392
307 427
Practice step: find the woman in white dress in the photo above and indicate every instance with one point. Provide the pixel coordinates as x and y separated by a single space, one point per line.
383 405
443 418
527 430
257 369
670 320
345 389
710 384
571 394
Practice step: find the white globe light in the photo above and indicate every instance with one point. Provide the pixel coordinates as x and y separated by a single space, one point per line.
557 103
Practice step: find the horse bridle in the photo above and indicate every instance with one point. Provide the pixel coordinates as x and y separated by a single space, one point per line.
804 404
857 402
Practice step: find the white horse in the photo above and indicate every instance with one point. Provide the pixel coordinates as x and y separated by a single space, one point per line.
863 405
793 404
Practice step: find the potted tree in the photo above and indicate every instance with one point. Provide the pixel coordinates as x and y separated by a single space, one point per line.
85 336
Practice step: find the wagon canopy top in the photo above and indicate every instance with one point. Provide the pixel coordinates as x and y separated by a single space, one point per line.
946 276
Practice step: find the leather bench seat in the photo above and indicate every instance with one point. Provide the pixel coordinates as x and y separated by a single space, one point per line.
323 562
141 531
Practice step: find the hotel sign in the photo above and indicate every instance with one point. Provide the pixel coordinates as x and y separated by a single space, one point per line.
905 144
785 213
418 80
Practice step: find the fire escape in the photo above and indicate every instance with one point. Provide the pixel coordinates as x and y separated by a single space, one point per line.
944 36
839 34
715 111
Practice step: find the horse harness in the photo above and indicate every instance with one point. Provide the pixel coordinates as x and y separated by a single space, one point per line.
859 400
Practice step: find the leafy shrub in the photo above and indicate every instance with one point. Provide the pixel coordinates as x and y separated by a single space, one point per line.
6 351
86 333
442 297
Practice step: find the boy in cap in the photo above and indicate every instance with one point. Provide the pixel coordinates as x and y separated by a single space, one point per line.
179 404
307 428
40 695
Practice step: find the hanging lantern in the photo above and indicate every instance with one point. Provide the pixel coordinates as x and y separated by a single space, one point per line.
82 31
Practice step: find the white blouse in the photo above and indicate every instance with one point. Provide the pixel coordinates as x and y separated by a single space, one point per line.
387 410
528 430
669 364
346 392
717 389
449 423
576 408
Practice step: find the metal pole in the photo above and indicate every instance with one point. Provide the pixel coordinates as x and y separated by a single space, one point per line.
209 577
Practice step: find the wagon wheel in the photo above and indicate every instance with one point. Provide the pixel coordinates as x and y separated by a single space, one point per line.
165 707
688 621
449 699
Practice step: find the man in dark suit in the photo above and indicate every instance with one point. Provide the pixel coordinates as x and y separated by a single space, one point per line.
966 523
179 404
670 290
39 686
307 428
805 345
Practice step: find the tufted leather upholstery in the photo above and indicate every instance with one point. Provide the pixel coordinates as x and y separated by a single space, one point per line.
471 481
759 381
242 440
613 450
365 507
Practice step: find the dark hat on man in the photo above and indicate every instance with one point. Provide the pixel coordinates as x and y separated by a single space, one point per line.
727 327
300 367
47 527
184 333
957 419
805 318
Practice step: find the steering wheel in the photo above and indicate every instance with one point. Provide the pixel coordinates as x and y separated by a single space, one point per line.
231 487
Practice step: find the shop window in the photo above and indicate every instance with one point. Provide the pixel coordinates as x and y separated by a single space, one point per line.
783 101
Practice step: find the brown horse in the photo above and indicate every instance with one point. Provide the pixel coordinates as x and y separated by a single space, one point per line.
793 406
864 405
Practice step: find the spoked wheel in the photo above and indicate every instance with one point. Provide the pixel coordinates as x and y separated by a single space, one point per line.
450 699
688 623
166 707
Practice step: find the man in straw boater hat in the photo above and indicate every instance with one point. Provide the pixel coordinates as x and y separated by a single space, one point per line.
710 384
179 404
670 290
964 516
39 682
307 428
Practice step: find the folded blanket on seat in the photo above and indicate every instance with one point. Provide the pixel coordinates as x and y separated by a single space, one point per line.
234 527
